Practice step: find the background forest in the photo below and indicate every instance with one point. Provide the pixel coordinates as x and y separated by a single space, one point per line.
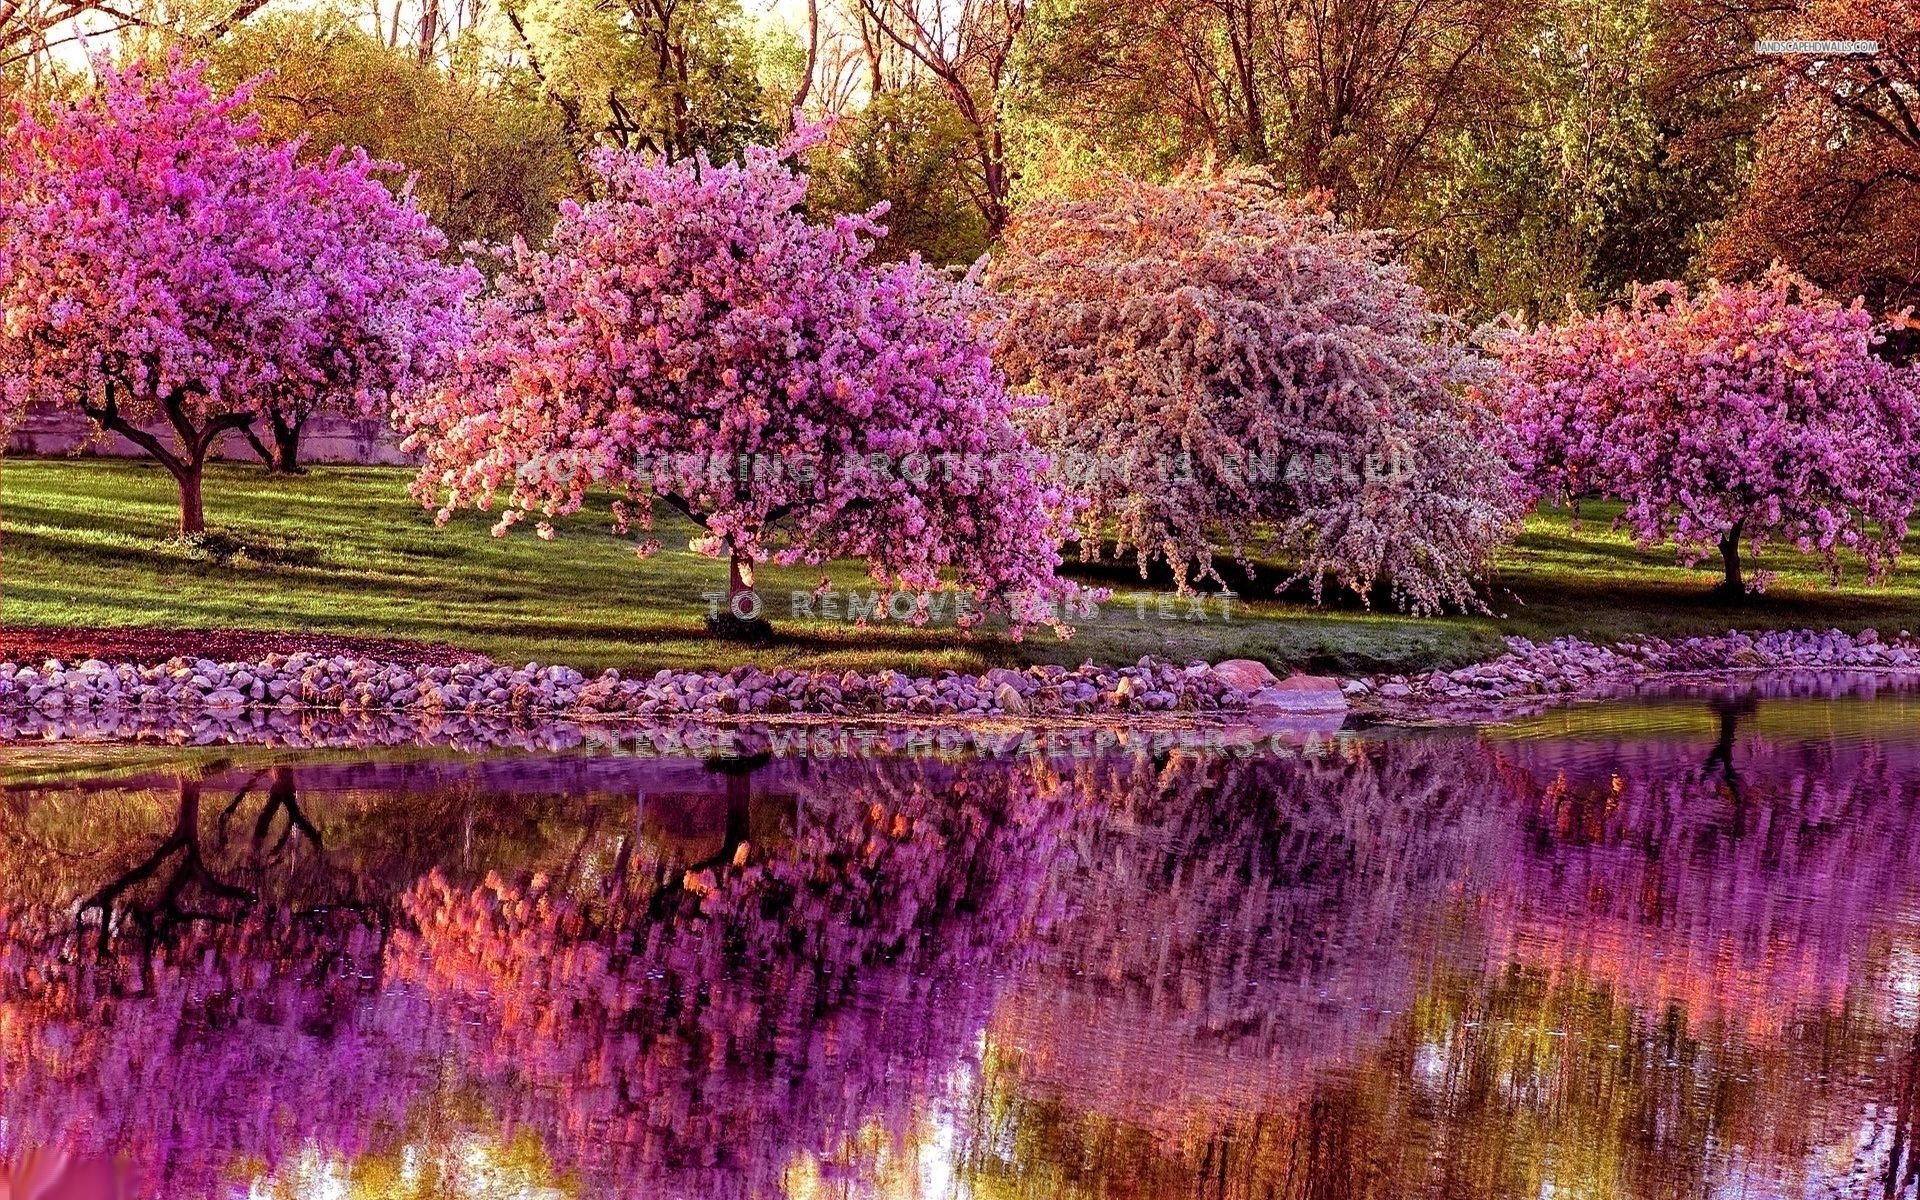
1521 153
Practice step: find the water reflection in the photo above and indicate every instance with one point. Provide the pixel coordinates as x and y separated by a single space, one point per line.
1653 949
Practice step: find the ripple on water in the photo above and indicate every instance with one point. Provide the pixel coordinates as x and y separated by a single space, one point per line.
1667 945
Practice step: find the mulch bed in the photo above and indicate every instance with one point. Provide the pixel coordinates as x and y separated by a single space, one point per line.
147 646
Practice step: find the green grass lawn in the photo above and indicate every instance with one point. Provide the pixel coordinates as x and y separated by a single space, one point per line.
344 551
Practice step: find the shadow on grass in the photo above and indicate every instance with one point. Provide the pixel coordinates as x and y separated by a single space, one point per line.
1614 608
1537 543
1263 583
225 547
214 548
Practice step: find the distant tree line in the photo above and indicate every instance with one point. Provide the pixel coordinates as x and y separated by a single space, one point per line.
1520 153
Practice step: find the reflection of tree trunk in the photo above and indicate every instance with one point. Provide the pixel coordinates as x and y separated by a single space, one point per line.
739 814
179 865
183 842
739 827
1322 1163
571 874
1213 1165
622 863
281 798
737 834
1720 758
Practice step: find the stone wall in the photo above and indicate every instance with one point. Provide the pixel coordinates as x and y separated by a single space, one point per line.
327 439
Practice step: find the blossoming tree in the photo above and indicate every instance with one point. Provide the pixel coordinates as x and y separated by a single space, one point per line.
161 262
693 339
1234 374
1736 413
383 310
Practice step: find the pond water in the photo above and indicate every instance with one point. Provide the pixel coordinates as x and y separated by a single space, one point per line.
1655 948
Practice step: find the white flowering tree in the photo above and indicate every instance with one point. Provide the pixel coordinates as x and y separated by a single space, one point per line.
1232 374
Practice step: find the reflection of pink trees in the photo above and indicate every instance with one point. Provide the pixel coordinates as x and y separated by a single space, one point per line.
205 1038
706 1031
1258 920
1246 920
1739 880
697 1031
1398 965
1469 967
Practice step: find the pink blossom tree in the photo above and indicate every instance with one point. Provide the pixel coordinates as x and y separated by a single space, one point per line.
161 262
1233 374
1747 413
384 311
694 340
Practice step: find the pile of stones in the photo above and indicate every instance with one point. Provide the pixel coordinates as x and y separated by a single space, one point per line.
1569 668
350 684
481 690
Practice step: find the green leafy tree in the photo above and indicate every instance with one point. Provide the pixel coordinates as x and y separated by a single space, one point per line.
670 77
1517 154
490 158
1588 177
909 149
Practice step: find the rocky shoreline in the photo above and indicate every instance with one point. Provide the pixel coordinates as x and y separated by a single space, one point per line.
1528 675
350 684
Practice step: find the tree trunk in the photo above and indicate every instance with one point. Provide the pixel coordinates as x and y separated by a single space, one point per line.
193 517
1733 585
187 464
1240 38
286 441
739 813
813 64
739 572
428 32
744 617
260 448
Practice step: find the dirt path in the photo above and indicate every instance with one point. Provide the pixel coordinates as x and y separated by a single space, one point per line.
147 645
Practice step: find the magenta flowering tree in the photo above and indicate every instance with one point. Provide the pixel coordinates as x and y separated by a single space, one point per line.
162 263
694 340
1736 414
383 313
